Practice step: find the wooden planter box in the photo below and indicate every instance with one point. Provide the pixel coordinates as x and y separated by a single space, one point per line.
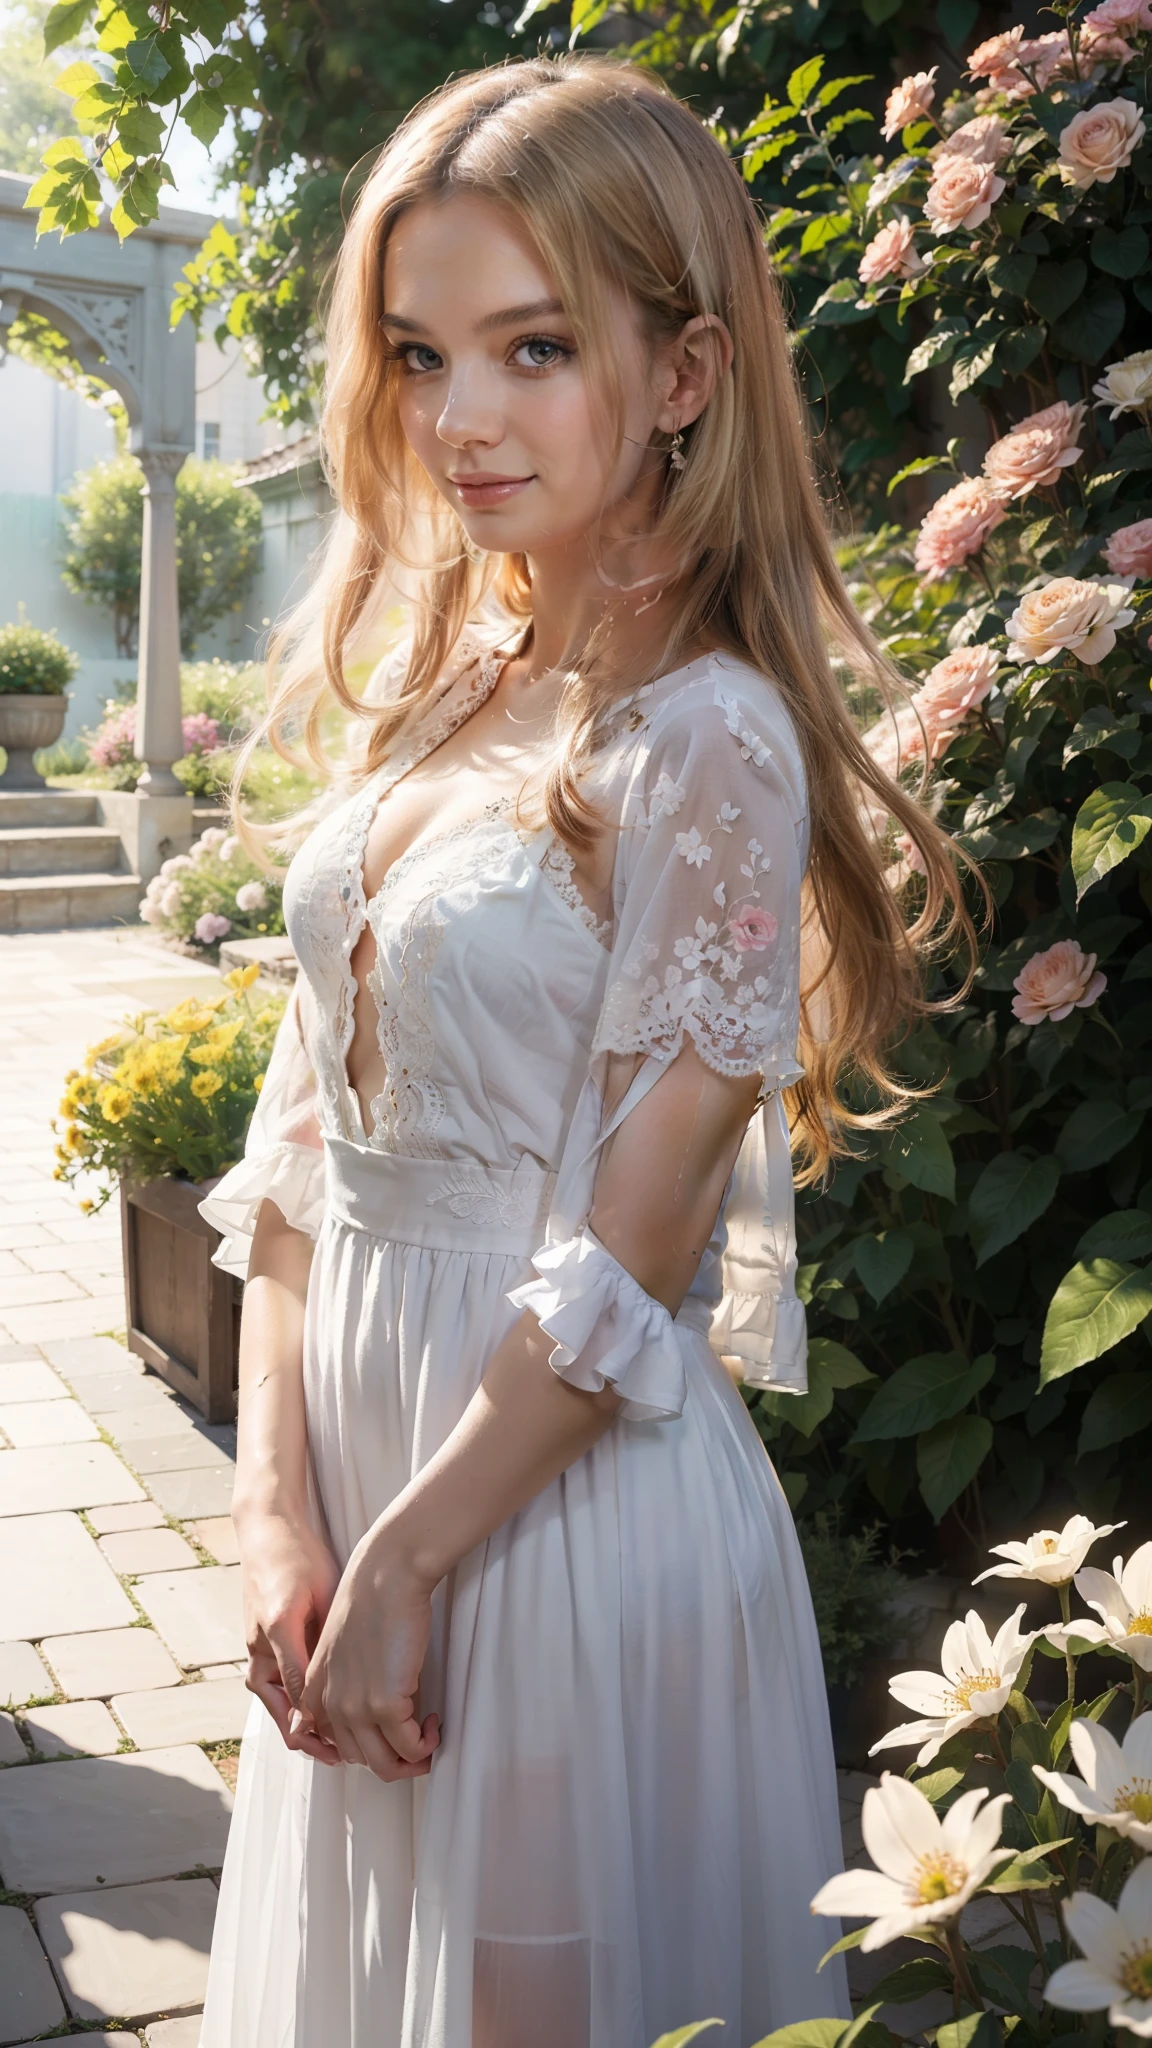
183 1312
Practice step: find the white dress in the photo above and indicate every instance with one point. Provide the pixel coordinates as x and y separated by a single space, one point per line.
634 1798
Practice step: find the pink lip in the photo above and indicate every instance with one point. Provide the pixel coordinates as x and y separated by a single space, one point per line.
480 488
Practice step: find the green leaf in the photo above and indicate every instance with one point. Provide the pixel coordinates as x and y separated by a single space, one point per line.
140 130
882 1261
1012 271
923 1392
77 78
1015 838
920 467
913 1979
1010 1194
971 364
1109 826
804 81
1089 330
1094 1133
831 1366
845 1942
936 1785
1004 1974
949 1456
1122 251
836 86
1017 1876
974 2030
1125 1234
1096 1305
1019 347
937 346
65 21
840 305
804 2034
919 1150
682 2035
1098 727
205 113
827 227
1057 286
957 19
1117 1410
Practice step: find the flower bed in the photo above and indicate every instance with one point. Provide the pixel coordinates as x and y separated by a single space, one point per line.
214 892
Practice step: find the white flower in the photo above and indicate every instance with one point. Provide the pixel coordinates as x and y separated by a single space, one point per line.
1117 1967
1123 1600
171 902
176 865
1052 1556
1114 1789
926 1869
228 847
694 849
667 797
973 1685
720 895
1127 386
251 896
213 838
726 816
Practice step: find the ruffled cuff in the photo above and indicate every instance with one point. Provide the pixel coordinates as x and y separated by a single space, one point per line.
768 1334
608 1331
292 1176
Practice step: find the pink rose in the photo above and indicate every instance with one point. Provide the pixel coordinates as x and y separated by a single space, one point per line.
1129 552
911 858
1056 982
983 141
1080 617
1034 453
211 926
957 526
891 253
953 688
1102 46
1127 17
1099 142
752 930
998 56
909 101
962 193
896 739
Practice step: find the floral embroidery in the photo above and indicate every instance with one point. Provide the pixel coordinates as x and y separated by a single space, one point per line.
558 866
667 798
752 747
752 929
695 849
480 1197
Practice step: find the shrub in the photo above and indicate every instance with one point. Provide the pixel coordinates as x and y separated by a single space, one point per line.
213 893
852 1587
34 663
168 1095
218 530
988 1262
202 771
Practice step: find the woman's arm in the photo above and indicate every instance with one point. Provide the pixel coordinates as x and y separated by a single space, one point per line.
658 1192
287 1572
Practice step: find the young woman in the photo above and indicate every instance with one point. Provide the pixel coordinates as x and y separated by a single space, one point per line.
541 1758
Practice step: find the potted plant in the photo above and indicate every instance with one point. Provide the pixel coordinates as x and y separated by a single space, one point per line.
35 670
161 1109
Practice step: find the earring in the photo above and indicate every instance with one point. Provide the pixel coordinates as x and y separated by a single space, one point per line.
677 456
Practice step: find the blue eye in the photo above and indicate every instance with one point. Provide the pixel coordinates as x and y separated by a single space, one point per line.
421 352
543 352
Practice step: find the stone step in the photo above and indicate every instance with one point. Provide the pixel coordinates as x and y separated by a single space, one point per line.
36 903
47 807
63 849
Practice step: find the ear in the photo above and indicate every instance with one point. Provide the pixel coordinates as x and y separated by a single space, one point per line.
693 365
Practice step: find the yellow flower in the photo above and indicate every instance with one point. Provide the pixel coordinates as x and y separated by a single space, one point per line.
167 1058
58 1173
74 1138
190 1015
205 1085
87 1206
258 1083
242 977
115 1103
217 1044
96 1052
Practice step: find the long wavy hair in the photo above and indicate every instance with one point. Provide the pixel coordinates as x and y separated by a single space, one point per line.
622 186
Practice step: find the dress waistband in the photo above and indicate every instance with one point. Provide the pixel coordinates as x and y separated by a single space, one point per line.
448 1205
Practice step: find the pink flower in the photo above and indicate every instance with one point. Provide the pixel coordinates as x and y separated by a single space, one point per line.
1102 46
998 56
909 101
911 857
1128 17
957 526
953 688
1056 982
1129 552
896 739
983 141
1099 142
891 253
201 733
1034 453
752 930
962 193
1080 616
211 926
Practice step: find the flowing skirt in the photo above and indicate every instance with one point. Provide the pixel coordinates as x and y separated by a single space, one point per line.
634 1799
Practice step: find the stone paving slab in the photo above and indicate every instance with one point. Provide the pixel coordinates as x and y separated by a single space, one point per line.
217 1535
199 1614
22 1675
136 1514
132 1951
148 1550
63 1476
21 1290
27 1423
106 1394
52 1577
77 1728
79 1355
85 1317
111 1820
213 1710
119 2039
146 1419
93 1667
30 1379
189 1451
174 2033
206 1491
12 1750
29 1999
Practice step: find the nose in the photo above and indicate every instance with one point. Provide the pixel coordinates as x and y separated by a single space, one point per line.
468 418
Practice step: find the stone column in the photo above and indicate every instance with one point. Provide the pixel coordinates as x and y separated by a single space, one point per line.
159 740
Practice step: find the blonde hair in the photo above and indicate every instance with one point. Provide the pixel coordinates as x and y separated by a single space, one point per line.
621 185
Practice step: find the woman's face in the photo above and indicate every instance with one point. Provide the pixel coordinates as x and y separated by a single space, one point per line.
494 397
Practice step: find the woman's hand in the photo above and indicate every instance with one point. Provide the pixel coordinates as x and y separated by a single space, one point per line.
362 1683
288 1577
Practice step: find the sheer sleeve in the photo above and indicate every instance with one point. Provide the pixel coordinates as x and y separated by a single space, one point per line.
284 1155
706 950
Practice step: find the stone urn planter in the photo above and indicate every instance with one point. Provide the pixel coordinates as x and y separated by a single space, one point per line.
183 1313
27 723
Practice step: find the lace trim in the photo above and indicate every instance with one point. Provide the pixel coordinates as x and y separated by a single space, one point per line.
476 1197
558 866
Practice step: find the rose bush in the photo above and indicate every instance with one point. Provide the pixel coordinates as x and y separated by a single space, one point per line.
212 893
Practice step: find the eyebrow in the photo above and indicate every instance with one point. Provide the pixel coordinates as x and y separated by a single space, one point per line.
511 316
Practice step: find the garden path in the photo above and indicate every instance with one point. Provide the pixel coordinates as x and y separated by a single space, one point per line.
120 1634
